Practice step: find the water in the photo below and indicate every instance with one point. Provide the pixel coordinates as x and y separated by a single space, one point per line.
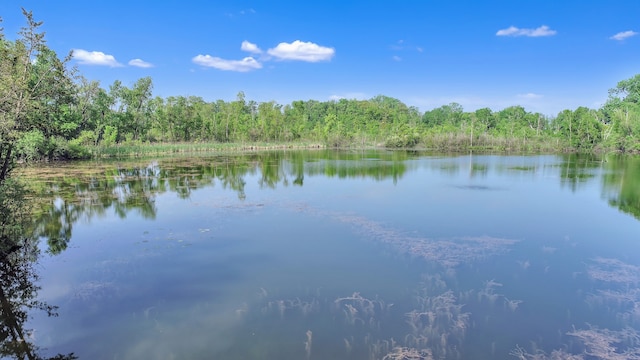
341 255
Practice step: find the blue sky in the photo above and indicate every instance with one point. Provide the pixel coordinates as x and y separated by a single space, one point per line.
546 55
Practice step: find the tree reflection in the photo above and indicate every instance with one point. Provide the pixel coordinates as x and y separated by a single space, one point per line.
18 290
373 165
81 193
272 171
577 169
55 225
622 185
85 191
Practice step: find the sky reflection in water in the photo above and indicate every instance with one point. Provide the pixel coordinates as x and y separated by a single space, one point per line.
343 255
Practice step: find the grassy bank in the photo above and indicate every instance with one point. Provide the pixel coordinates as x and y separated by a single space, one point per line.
455 142
148 149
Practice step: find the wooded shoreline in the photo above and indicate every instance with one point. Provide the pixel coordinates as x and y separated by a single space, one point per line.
51 112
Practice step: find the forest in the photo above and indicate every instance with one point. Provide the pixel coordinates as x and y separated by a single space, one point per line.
51 112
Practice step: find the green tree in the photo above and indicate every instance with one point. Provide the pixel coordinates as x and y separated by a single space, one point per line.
621 116
137 107
627 90
34 87
270 121
236 120
563 125
446 114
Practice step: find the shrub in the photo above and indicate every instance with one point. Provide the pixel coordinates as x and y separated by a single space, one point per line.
61 149
86 138
405 140
110 135
32 146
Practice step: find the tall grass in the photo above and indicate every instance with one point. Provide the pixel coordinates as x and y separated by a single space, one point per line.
439 141
486 142
148 149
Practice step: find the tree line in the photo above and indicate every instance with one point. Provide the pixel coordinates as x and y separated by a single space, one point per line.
49 111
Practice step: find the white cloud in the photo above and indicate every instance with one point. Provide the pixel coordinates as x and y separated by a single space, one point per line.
303 51
297 50
396 58
241 13
250 47
350 96
244 65
398 45
529 96
95 58
623 35
140 63
543 30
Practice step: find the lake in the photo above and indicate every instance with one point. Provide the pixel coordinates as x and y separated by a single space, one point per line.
341 255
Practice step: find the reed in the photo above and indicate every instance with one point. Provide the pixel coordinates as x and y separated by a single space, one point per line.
459 141
140 149
293 307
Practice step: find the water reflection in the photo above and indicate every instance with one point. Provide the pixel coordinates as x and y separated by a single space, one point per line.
621 185
18 278
76 192
84 191
459 291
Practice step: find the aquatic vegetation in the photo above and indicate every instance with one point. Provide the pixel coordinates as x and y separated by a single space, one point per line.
363 327
614 270
448 252
522 354
292 307
93 290
488 294
437 322
356 282
596 344
609 344
623 302
404 353
522 168
359 309
307 344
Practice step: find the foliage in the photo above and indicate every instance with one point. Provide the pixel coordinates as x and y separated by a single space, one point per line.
86 138
61 149
110 135
36 90
51 114
130 115
621 116
581 129
407 138
32 146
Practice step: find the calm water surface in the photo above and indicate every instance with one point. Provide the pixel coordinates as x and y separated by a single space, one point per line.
342 255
